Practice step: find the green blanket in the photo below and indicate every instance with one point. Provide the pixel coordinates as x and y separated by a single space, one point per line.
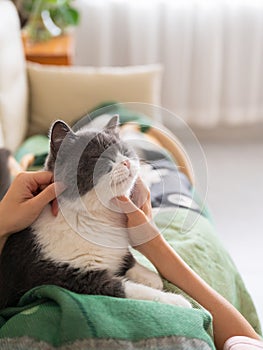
50 316
54 316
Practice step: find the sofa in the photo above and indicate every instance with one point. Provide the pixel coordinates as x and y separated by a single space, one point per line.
31 97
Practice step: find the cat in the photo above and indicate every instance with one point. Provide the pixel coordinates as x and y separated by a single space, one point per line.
94 167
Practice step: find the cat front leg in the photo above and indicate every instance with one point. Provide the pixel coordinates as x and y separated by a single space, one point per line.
141 274
141 292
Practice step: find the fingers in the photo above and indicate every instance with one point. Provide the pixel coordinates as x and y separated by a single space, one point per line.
140 193
141 185
45 178
125 204
140 229
42 177
38 190
49 193
33 180
46 196
136 217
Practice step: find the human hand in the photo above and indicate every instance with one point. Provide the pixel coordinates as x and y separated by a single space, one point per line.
29 193
138 210
141 197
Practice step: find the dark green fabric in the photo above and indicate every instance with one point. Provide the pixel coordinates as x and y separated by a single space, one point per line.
57 316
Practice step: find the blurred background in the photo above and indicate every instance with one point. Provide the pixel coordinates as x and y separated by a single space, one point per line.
212 58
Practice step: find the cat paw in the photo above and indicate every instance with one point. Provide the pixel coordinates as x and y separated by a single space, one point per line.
147 278
154 281
174 299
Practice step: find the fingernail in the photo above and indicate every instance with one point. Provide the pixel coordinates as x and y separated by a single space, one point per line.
123 198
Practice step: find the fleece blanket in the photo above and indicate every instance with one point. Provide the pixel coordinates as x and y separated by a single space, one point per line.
49 317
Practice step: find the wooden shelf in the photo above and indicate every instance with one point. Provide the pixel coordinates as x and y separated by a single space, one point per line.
56 51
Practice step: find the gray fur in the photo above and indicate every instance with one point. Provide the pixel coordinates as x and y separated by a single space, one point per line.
85 155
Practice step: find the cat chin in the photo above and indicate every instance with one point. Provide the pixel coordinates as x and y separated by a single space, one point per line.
124 188
99 197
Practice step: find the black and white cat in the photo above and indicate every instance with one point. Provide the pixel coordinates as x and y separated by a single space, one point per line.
94 166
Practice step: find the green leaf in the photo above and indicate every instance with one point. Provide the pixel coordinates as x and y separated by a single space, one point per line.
65 16
74 16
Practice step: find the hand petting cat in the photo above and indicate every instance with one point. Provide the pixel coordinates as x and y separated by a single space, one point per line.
138 209
29 193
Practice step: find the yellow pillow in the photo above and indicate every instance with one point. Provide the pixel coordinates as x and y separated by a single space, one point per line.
69 93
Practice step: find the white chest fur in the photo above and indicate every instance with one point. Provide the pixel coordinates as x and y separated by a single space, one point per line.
60 242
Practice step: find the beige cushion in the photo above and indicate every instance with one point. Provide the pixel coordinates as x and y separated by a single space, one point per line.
69 93
13 80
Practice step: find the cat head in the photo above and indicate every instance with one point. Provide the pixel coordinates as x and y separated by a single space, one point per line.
88 161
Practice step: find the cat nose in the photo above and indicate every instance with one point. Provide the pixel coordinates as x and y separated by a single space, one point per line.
126 163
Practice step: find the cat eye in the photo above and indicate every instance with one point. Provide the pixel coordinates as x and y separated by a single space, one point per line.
108 158
128 153
125 151
93 157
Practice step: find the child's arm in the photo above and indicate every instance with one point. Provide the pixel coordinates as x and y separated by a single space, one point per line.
227 321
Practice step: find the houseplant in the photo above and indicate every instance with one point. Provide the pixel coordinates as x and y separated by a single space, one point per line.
48 18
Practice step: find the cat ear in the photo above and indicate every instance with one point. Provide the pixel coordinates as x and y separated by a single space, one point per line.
113 125
59 131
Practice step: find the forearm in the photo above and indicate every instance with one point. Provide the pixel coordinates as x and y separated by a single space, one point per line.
227 321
